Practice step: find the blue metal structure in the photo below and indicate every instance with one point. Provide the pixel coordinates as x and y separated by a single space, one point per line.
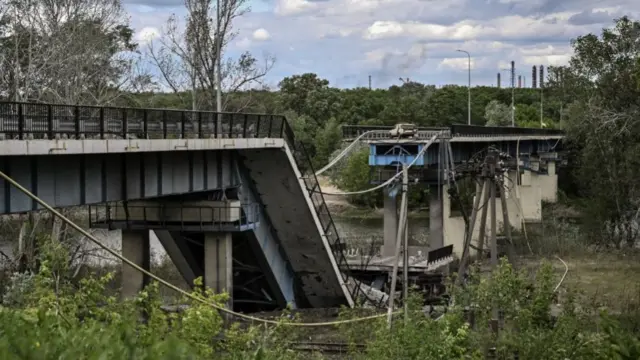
466 140
395 155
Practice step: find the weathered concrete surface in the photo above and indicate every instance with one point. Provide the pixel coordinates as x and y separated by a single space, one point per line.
107 146
287 204
135 247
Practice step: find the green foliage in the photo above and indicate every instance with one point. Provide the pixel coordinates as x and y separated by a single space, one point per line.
497 114
60 319
527 326
603 128
356 176
327 140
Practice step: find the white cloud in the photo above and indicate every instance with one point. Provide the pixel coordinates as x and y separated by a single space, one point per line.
457 63
507 27
293 7
553 60
147 34
414 38
261 35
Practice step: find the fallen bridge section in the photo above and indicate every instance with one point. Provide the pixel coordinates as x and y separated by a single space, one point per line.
291 210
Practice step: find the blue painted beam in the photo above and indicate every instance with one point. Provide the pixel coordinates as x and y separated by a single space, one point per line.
462 151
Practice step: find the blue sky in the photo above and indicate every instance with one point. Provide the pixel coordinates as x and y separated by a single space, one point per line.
344 41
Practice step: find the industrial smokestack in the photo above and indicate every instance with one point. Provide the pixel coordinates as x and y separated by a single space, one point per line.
513 74
541 80
498 80
519 81
534 76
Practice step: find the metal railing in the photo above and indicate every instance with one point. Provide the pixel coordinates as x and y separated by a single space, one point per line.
350 132
204 217
303 161
477 130
50 121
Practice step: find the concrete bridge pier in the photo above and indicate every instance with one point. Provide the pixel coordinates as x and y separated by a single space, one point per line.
218 261
436 216
135 247
390 222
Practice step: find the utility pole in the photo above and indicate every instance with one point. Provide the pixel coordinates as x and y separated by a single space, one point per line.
541 82
405 258
218 77
401 227
468 87
513 96
541 106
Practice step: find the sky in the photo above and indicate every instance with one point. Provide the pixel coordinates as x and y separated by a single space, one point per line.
345 41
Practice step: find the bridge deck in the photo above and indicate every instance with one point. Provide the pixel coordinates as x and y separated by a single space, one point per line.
455 133
82 138
31 133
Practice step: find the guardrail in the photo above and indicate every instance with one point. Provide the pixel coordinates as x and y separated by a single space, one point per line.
351 132
476 130
203 217
338 247
50 121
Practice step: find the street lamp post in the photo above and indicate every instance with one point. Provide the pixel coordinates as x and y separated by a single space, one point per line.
469 87
218 71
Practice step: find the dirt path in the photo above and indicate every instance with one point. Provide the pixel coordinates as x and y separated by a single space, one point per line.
335 203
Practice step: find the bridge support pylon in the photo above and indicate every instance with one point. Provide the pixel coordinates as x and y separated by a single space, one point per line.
436 216
390 222
135 247
218 274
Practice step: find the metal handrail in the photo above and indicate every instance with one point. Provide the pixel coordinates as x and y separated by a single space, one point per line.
39 121
350 132
204 215
304 164
48 121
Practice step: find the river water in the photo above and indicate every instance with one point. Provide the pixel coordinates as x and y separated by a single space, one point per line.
357 233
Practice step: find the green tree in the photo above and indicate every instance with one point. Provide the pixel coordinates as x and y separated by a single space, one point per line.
603 125
77 58
356 176
497 114
296 90
326 141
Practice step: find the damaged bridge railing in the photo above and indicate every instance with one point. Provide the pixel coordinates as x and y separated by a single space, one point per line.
338 247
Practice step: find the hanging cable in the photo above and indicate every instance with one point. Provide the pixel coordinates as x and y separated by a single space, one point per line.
346 151
166 283
393 178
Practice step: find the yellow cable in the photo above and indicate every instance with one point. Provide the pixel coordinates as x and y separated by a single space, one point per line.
166 283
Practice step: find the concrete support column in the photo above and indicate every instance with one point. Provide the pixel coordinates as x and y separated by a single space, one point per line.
218 274
436 218
135 247
548 183
390 223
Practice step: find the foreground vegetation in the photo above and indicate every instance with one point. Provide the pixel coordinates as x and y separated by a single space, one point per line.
49 315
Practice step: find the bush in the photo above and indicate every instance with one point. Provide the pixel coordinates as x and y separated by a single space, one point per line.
47 316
